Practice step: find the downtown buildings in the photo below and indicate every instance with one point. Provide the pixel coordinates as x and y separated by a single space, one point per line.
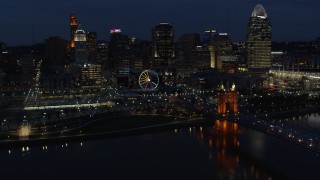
163 51
170 57
259 41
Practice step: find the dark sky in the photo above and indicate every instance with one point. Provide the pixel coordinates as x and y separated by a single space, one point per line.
291 19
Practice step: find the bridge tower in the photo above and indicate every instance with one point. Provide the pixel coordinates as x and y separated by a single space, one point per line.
227 99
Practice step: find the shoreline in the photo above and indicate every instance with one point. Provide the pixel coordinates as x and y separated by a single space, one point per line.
109 134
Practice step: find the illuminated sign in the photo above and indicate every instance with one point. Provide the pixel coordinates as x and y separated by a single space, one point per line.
223 34
115 31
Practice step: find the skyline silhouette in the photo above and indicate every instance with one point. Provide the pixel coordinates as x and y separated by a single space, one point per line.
33 21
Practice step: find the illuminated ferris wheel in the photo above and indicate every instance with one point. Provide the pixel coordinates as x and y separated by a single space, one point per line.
148 80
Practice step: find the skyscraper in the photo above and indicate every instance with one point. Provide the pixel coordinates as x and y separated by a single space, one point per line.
55 52
73 28
259 41
163 45
208 37
81 53
118 49
187 43
92 46
102 53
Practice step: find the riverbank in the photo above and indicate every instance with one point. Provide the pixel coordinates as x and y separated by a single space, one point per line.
294 112
117 126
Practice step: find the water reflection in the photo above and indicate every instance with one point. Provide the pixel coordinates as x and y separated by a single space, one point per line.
308 121
211 152
223 149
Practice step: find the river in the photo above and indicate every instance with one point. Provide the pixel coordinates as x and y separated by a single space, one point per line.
225 151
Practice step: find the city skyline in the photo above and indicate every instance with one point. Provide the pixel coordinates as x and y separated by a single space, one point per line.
40 20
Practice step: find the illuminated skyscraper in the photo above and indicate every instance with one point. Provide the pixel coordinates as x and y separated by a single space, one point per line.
81 53
259 41
163 45
91 76
73 28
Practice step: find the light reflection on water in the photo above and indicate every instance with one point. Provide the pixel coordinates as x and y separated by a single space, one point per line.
203 152
310 122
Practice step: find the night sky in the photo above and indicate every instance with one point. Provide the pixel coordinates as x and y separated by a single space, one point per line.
291 20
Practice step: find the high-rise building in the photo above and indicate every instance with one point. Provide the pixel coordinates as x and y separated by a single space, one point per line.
223 51
259 41
117 39
118 53
102 54
163 52
208 37
81 53
187 43
91 76
92 46
55 52
201 57
73 29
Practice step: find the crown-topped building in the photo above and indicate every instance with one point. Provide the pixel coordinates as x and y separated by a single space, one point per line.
73 28
80 39
259 41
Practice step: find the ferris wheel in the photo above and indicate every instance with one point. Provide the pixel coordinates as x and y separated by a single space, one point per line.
148 80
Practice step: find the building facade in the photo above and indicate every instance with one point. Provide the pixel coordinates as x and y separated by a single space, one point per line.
92 46
81 53
91 77
73 29
163 52
259 41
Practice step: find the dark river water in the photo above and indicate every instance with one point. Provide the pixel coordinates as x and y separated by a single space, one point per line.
308 122
221 152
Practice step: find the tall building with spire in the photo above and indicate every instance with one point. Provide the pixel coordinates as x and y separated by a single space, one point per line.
259 41
81 52
73 28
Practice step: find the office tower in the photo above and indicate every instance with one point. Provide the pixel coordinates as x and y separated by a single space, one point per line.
55 52
118 49
91 76
201 57
163 45
8 63
187 43
102 54
92 46
259 41
118 40
208 37
73 28
81 53
224 54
